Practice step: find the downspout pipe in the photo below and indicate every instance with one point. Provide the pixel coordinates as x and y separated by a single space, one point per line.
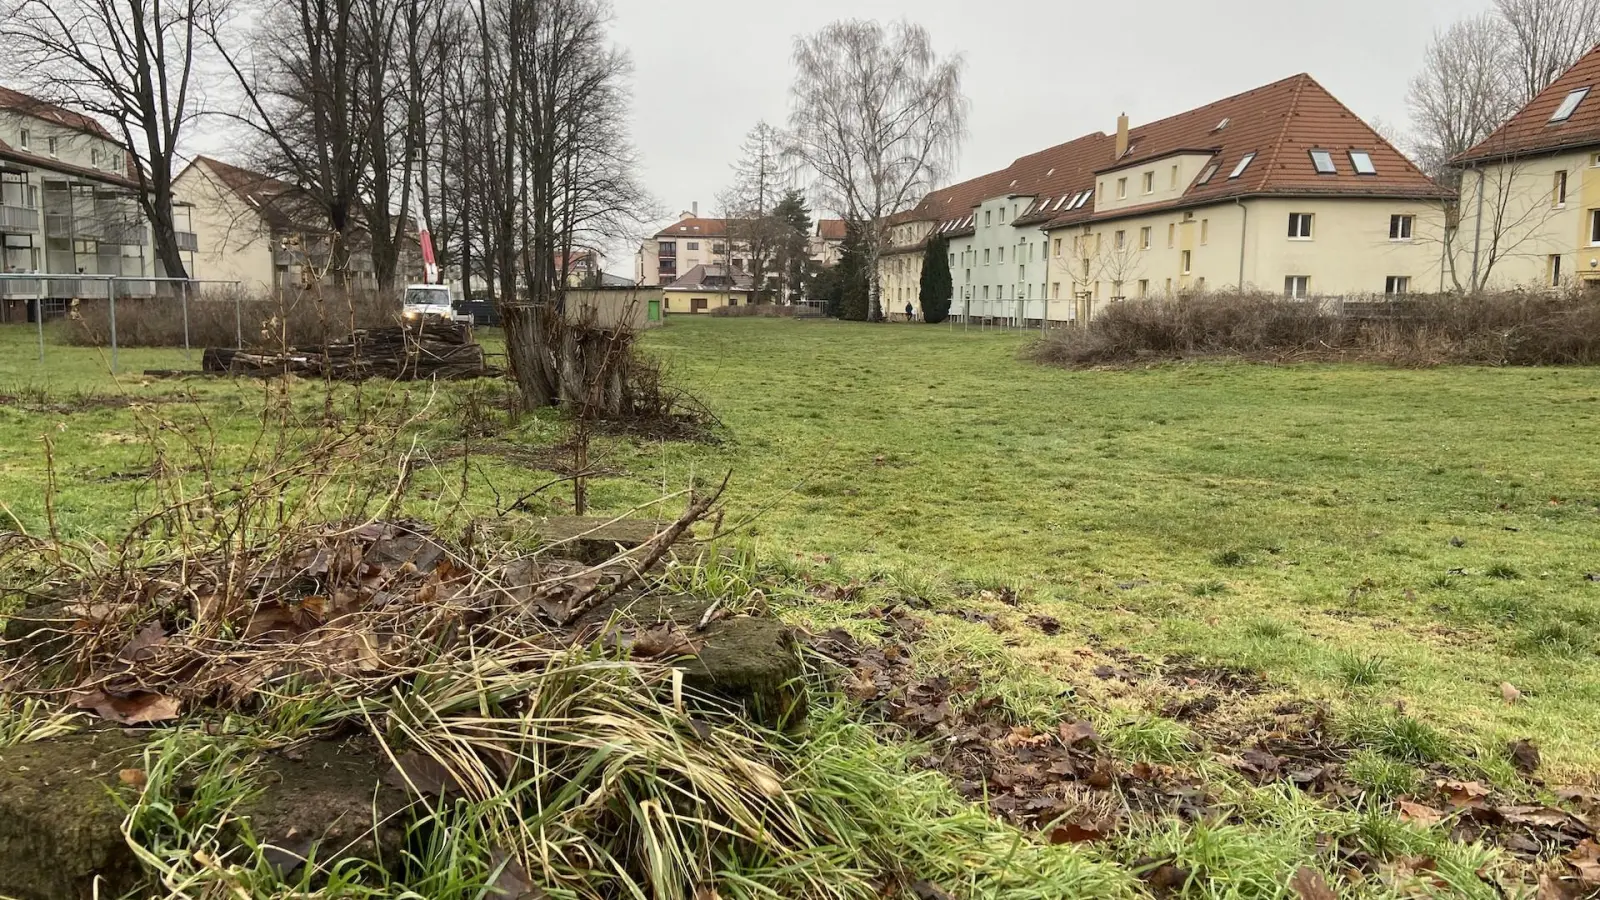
1244 235
1477 231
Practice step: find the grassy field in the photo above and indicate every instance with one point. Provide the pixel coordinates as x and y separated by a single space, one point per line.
1360 535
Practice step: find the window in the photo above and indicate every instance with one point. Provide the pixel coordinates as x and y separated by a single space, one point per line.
50 146
1594 227
1002 255
1243 164
1058 248
1323 160
1297 286
986 292
1361 161
969 276
1221 125
94 157
693 245
1087 195
1062 200
1055 291
1144 287
1555 270
1116 290
1205 232
1397 284
1569 105
1144 238
1595 163
1172 235
986 256
1205 177
1174 185
1300 226
1022 273
988 218
952 260
668 248
1120 240
1400 227
1122 188
719 248
22 139
1149 182
697 304
1187 261
1169 287
1558 191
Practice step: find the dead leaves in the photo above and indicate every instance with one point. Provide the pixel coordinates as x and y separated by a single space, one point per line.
134 708
664 640
1309 884
1419 814
1509 692
1524 756
1048 625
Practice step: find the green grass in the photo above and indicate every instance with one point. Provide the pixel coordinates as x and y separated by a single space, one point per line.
1376 538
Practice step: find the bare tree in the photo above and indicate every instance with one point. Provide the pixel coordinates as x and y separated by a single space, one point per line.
130 62
1119 261
876 118
1545 38
1463 93
749 203
1508 206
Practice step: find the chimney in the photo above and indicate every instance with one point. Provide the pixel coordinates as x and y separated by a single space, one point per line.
1122 135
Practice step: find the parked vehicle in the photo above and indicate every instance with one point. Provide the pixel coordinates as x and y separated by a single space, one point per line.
431 303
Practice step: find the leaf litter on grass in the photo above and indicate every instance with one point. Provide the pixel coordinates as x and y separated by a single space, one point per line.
1064 783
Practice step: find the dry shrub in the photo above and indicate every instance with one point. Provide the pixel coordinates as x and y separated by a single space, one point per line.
756 310
222 318
1507 329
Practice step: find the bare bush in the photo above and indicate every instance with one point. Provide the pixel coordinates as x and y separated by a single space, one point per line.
1509 329
227 318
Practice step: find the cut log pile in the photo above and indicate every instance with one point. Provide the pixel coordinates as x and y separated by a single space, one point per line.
432 350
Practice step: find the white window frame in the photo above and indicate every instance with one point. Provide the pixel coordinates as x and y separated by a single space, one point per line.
1361 161
1569 106
1122 188
24 139
1402 227
1208 174
1558 189
51 148
1297 287
1145 234
1594 227
1244 163
1396 285
1186 261
1321 157
1553 265
1307 229
1150 182
1119 240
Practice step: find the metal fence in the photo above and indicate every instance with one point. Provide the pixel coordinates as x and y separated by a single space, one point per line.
51 296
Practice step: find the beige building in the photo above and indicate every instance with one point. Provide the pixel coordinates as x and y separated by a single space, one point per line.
827 242
693 241
1530 193
68 207
1278 189
267 234
706 288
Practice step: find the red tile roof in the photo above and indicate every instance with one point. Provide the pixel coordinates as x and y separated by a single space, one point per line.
1531 131
16 101
281 204
831 229
1281 123
694 227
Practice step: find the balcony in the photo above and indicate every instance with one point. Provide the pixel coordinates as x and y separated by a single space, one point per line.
187 241
64 225
19 219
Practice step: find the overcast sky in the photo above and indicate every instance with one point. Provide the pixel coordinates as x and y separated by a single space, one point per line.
1037 73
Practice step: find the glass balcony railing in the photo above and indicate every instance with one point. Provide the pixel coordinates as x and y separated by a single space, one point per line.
18 219
187 241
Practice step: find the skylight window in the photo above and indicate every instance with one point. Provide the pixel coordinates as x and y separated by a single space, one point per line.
1064 200
1082 200
1569 105
1362 161
1208 174
1323 160
1243 164
1221 125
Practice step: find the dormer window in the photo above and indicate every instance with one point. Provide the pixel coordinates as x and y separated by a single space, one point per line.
1569 105
1323 160
1243 164
1361 161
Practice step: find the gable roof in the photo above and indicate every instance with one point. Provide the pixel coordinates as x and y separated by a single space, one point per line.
16 101
281 205
831 229
1281 123
1530 131
694 227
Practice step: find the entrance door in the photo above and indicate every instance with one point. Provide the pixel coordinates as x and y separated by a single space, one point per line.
653 311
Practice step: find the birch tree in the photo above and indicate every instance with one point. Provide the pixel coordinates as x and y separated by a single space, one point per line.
1464 91
876 118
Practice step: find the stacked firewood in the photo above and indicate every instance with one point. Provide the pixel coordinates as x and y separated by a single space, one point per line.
431 350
